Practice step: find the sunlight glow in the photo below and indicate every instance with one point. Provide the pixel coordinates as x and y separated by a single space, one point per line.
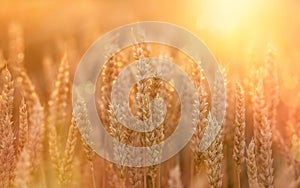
225 15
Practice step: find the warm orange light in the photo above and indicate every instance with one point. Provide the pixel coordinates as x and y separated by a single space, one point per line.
226 15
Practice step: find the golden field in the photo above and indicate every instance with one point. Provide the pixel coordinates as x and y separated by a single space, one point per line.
256 43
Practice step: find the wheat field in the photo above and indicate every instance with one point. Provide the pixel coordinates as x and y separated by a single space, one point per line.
41 145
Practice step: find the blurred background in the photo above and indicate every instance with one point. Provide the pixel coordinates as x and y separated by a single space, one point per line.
237 31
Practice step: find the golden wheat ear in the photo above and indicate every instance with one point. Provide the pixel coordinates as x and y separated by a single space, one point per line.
213 158
57 112
84 124
23 125
263 139
65 174
251 165
239 130
7 135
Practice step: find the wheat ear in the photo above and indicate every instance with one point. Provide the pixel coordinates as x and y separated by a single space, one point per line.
36 126
239 129
23 176
31 154
7 141
155 137
213 159
219 88
251 165
263 139
36 134
65 174
57 112
121 135
23 125
142 103
84 124
200 119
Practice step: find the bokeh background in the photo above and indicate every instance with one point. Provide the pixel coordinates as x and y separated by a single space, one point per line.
236 31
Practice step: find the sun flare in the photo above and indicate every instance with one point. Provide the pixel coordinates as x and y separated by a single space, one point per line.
228 14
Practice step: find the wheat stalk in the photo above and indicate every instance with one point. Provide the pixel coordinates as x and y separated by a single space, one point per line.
142 103
7 142
84 124
263 139
23 125
69 153
22 142
108 75
7 95
30 139
239 129
57 107
214 157
36 129
251 165
23 168
155 137
58 102
214 153
219 88
121 135
200 119
34 107
23 172
85 129
174 180
135 176
53 149
36 134
36 118
31 154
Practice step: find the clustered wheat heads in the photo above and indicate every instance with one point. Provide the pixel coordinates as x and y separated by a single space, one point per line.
155 137
39 139
121 135
142 100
